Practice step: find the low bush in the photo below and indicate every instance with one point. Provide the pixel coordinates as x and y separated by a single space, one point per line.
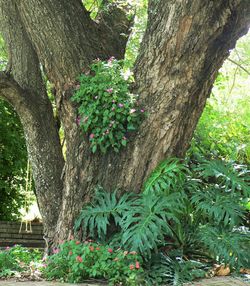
17 259
75 262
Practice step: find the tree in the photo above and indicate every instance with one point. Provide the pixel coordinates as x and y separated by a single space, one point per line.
184 45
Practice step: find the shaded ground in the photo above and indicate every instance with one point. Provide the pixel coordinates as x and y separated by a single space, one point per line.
220 281
217 281
43 283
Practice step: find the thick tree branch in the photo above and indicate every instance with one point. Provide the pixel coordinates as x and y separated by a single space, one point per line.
115 27
58 47
25 90
183 51
10 90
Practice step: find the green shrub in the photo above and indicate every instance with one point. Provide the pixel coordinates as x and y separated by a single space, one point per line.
17 259
74 262
142 220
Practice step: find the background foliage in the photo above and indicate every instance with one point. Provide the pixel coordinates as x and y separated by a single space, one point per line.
224 128
13 162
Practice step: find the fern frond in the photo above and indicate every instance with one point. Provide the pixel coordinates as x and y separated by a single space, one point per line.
227 175
219 207
174 271
145 224
169 175
95 217
231 248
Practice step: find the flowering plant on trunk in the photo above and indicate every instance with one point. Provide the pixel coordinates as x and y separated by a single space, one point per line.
107 111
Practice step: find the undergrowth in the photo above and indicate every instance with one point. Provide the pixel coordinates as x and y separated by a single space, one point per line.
189 215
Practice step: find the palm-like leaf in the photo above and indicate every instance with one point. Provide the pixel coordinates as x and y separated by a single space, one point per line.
219 207
174 271
227 175
169 175
96 216
145 225
231 248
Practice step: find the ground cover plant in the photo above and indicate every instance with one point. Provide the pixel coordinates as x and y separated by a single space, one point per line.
18 259
75 261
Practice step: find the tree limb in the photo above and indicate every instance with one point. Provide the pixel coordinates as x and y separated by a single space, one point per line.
10 90
239 65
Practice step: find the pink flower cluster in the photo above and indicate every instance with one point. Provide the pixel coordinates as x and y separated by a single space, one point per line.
109 90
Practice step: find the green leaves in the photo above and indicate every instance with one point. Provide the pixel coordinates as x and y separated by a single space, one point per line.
107 110
169 175
231 248
191 214
229 176
96 217
143 219
148 221
13 158
219 207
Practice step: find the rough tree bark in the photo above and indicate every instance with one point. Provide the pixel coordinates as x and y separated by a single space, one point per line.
184 45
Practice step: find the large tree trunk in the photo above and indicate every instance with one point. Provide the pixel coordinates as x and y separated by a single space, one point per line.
184 45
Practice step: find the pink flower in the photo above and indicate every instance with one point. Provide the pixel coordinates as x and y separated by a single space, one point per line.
78 120
78 259
92 135
110 60
120 105
55 250
132 111
91 248
7 248
110 250
124 138
142 110
109 90
70 253
97 248
131 266
78 242
137 265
